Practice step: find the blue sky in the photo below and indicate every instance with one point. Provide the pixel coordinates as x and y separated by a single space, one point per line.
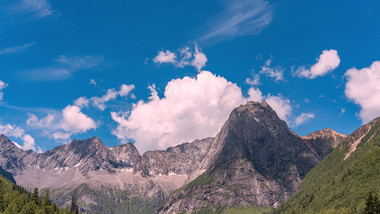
315 62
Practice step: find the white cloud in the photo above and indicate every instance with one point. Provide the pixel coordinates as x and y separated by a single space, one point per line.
111 94
81 102
63 68
29 143
240 18
74 121
3 85
33 8
363 88
276 73
303 118
15 49
191 108
33 121
255 95
92 82
165 57
11 130
254 80
17 132
61 135
281 105
197 58
126 89
328 61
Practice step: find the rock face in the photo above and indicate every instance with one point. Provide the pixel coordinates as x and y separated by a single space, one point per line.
323 141
7 175
254 160
105 180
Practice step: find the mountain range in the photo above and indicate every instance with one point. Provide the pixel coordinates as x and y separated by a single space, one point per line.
254 161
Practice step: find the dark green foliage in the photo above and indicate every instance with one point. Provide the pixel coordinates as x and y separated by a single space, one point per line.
337 185
372 204
74 206
15 199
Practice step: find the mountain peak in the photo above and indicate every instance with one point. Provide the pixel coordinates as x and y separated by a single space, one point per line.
324 133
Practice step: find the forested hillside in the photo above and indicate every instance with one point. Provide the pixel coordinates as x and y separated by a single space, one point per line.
345 179
15 199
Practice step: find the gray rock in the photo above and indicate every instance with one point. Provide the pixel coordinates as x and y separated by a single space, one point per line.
254 160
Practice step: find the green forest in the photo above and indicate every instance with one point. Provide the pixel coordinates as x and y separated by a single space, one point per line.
16 199
342 186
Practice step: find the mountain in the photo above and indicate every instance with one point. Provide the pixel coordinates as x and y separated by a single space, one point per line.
323 141
255 159
7 175
342 181
104 179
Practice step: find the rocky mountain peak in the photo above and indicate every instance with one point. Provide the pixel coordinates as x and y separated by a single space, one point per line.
324 133
254 150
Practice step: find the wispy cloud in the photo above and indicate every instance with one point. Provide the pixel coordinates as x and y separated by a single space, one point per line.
240 18
32 9
16 49
63 68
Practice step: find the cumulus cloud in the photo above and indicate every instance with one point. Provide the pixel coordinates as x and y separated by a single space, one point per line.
61 125
17 132
240 18
191 108
186 57
125 89
165 57
303 118
81 102
281 105
74 121
328 61
363 88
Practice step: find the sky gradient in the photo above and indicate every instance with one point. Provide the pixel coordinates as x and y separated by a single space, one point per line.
160 73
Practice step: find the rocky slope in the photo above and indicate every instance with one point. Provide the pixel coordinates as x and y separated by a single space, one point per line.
254 160
343 180
108 180
7 175
323 141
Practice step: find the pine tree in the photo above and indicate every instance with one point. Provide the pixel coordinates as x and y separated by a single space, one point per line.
74 207
35 196
372 205
2 205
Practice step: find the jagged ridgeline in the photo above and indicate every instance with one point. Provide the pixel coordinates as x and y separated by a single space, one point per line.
253 164
342 182
16 199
